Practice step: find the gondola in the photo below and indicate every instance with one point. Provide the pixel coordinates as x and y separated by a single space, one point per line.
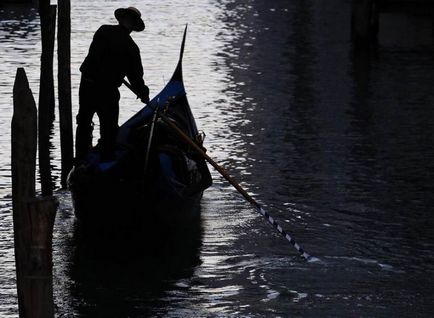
156 181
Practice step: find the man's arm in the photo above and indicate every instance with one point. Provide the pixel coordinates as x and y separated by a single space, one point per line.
135 74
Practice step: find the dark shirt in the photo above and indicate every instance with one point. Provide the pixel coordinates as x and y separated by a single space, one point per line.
112 56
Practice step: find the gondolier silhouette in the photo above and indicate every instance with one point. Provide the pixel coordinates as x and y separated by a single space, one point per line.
112 56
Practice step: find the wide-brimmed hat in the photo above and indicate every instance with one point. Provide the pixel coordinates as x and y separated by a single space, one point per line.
134 13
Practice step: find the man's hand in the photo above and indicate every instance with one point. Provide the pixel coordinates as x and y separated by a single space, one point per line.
145 100
145 96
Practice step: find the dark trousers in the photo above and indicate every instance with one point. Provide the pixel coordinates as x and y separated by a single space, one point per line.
104 101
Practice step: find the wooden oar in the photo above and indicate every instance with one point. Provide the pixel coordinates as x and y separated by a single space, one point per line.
234 183
237 186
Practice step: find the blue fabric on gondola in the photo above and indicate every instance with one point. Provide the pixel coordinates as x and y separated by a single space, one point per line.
167 179
174 88
105 166
166 166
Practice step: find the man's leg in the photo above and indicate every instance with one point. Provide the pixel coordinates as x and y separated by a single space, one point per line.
108 119
83 136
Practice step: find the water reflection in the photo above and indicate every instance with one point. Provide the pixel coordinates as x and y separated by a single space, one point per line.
337 145
336 142
111 280
18 21
109 277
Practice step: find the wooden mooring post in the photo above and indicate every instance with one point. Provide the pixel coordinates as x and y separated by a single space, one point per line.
33 217
64 78
46 93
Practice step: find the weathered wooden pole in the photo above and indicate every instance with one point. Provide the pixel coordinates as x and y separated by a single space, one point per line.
364 22
46 93
24 141
38 278
33 218
64 78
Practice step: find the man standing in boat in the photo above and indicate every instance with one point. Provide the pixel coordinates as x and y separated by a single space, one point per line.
112 56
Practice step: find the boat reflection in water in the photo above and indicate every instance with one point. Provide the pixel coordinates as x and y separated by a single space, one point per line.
112 279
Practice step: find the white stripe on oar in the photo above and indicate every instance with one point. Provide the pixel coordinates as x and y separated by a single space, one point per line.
277 226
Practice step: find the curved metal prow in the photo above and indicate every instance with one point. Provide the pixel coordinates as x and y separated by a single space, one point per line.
177 75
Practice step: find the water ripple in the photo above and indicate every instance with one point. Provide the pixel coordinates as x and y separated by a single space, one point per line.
336 147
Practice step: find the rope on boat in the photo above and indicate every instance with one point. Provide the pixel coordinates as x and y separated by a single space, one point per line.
151 135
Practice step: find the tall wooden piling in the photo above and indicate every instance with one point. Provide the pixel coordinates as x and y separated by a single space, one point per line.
38 278
33 218
46 93
24 141
64 78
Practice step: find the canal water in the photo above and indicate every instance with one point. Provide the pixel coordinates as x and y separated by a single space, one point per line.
337 146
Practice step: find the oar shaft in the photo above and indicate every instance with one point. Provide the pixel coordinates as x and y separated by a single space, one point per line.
232 181
236 185
130 87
